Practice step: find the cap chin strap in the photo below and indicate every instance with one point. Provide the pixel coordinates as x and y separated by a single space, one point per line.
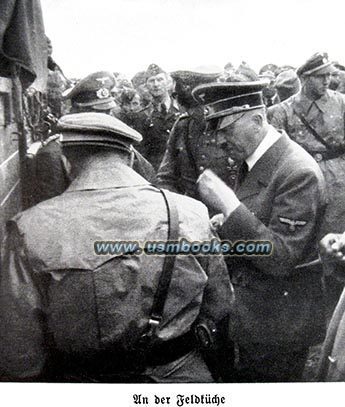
231 112
132 157
220 121
318 68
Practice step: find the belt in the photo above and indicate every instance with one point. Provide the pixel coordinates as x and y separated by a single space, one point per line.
326 155
171 350
109 363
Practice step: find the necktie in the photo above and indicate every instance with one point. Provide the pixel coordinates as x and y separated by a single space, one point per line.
163 109
242 172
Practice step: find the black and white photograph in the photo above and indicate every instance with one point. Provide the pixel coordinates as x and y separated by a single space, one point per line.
172 202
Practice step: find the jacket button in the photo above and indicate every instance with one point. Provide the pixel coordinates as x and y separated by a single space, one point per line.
201 168
286 293
203 157
318 157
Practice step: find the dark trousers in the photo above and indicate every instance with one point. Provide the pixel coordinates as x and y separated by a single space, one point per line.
260 363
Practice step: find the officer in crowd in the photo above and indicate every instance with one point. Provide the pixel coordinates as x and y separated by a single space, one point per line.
279 198
70 308
162 112
91 94
315 119
190 147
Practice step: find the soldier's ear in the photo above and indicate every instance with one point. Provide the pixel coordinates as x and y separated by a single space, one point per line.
258 119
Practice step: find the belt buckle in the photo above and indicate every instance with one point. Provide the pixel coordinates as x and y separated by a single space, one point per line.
318 157
147 336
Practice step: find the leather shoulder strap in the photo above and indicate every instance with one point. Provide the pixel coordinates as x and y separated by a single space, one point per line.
169 260
312 130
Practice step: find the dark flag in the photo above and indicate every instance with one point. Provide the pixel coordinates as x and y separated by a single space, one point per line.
23 41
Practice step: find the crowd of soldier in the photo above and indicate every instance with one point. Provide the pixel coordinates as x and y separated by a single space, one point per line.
206 134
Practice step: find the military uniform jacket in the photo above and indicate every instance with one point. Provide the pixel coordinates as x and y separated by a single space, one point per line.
327 117
157 133
190 150
282 201
49 251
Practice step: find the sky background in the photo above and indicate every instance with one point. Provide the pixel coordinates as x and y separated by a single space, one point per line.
127 35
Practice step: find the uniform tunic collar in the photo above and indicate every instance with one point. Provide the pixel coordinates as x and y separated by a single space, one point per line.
305 104
106 175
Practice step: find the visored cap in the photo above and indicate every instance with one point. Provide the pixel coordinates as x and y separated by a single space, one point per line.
229 98
97 129
93 91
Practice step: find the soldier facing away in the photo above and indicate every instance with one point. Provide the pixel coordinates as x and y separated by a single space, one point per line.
70 314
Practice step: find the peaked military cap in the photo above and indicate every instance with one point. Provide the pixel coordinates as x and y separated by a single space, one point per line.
230 98
288 79
246 72
139 79
317 64
196 76
268 68
153 70
94 91
287 84
95 128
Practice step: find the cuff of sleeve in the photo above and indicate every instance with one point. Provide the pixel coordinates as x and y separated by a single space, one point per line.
231 207
240 224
